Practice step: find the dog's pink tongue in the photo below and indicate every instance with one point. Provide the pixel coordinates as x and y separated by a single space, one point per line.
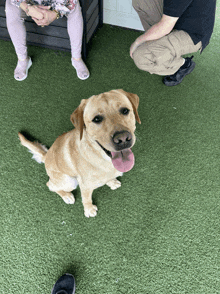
123 160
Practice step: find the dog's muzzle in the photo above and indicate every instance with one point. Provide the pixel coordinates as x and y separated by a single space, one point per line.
122 158
122 140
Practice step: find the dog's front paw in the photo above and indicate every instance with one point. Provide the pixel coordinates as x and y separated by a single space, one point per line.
114 184
68 198
90 210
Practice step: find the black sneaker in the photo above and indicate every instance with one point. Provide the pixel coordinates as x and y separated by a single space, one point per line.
65 285
184 70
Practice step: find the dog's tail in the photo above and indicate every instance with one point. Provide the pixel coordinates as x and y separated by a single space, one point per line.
38 150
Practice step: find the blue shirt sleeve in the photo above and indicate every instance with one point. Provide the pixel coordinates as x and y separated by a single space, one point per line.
175 8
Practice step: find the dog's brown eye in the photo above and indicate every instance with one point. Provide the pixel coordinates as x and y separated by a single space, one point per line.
124 111
97 119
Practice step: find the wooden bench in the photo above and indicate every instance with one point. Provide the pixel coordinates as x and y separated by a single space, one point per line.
55 35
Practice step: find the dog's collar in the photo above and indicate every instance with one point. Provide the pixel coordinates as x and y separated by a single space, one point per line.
106 151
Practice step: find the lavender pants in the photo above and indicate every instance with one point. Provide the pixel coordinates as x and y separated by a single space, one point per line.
15 23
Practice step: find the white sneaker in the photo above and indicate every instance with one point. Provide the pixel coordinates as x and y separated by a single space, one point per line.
22 68
81 69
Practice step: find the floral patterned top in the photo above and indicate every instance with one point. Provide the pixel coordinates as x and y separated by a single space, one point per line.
64 7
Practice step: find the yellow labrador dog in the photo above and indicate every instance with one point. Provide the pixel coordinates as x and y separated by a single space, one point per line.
96 152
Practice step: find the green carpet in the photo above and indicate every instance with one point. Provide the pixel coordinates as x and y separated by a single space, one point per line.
159 233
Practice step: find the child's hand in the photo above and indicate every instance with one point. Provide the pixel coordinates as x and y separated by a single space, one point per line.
35 12
48 16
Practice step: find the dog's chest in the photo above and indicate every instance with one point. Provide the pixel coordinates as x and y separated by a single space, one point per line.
97 176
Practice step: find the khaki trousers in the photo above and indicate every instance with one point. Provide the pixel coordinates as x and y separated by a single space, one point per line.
162 56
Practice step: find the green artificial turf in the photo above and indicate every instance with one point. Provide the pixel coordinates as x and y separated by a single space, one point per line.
157 234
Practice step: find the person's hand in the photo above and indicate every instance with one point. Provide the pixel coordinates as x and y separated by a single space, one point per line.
48 16
35 12
133 48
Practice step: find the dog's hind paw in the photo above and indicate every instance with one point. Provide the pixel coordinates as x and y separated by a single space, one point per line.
90 210
114 184
69 198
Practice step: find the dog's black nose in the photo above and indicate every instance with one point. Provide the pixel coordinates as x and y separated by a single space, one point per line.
122 140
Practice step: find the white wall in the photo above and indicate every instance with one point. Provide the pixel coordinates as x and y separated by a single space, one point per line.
121 13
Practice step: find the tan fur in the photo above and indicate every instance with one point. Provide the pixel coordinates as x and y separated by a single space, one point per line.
77 158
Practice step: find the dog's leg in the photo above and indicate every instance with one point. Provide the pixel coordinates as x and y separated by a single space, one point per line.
66 196
89 208
114 184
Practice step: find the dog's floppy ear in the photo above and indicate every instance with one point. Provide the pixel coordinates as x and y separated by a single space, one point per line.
77 117
134 99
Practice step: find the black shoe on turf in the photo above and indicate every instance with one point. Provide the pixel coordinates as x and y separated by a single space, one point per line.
184 70
65 285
